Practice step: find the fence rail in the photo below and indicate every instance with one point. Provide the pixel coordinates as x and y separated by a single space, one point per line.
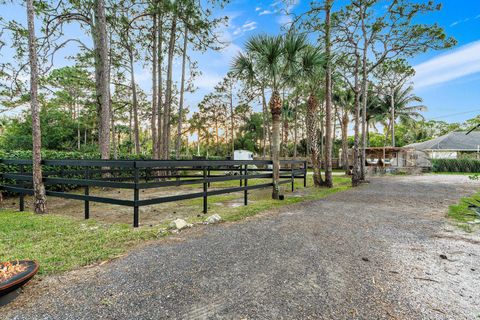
60 176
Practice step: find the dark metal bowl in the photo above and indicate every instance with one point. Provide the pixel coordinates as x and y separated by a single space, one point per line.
20 279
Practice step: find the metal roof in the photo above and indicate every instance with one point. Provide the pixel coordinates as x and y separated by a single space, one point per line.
453 141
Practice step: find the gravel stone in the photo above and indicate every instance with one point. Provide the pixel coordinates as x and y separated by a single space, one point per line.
301 262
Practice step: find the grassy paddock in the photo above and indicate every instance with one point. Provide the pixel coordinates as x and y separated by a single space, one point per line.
462 213
62 243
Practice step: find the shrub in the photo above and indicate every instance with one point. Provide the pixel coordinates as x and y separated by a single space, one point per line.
456 165
65 155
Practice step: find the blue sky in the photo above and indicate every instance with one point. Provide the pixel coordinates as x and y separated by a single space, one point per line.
448 81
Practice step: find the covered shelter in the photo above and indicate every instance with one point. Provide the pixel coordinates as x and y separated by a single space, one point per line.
452 145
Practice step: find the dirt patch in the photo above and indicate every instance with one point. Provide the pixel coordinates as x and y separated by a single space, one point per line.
149 215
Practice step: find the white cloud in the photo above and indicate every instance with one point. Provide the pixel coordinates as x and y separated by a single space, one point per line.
247 26
459 21
258 9
456 64
265 12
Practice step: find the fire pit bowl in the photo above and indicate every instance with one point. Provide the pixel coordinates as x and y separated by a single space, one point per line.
24 271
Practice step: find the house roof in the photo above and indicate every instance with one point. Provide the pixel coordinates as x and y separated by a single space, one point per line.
453 141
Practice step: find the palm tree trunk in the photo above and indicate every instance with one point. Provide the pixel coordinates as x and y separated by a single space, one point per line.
182 92
40 199
276 111
312 137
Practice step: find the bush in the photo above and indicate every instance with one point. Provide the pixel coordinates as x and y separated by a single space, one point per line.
66 155
456 165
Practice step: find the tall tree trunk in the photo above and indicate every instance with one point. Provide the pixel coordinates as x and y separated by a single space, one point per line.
392 110
136 129
102 81
344 123
40 200
312 138
154 89
114 142
266 129
364 95
130 131
182 92
286 128
77 118
328 97
295 129
276 111
356 178
168 93
232 133
160 86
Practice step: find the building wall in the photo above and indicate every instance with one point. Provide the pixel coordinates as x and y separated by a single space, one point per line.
442 154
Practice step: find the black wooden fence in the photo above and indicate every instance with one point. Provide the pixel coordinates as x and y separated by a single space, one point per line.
60 176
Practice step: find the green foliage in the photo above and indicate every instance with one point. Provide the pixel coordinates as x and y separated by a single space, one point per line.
456 165
465 211
250 134
59 243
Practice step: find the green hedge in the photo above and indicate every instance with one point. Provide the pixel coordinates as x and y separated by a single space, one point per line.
62 155
455 165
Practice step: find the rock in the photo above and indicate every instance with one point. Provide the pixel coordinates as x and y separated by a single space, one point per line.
214 218
179 224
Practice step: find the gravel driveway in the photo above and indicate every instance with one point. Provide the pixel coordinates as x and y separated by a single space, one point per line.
373 252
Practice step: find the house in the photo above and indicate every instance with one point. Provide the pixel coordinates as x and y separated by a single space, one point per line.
452 145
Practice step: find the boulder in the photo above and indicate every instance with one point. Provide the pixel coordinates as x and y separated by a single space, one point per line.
179 224
214 218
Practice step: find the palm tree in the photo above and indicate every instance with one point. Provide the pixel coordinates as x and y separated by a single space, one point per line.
287 116
268 59
312 71
197 126
345 99
406 108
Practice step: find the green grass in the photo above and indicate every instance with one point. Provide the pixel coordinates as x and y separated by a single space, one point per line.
454 173
461 212
341 183
61 243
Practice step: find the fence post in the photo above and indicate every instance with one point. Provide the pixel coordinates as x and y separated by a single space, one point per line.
205 190
87 192
292 177
240 173
136 195
245 192
304 174
208 175
22 195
